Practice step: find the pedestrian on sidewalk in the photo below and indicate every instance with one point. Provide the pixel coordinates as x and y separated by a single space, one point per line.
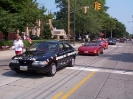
18 45
26 37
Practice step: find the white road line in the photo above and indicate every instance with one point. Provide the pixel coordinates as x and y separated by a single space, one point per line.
116 46
102 70
7 80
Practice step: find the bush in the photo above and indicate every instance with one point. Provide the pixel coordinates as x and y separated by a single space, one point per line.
86 40
27 44
6 43
10 43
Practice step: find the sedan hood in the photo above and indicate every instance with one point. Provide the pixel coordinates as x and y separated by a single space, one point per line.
88 47
32 55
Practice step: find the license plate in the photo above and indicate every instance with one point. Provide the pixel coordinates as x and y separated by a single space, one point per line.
85 51
23 68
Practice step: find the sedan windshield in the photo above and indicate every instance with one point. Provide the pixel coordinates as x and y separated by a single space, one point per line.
111 39
44 47
91 44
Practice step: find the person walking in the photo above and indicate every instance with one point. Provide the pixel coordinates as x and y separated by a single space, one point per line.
18 45
132 40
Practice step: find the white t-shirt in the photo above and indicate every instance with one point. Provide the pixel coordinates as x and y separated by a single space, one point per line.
18 45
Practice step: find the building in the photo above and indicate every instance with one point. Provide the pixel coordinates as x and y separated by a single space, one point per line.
36 30
58 33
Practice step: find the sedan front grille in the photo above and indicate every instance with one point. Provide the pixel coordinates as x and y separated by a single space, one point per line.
25 62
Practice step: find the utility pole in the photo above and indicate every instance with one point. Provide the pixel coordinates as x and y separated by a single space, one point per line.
105 33
74 22
69 21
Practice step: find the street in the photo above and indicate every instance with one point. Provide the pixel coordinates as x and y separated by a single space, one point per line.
108 76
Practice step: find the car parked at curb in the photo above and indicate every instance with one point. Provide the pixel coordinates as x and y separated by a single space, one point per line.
44 57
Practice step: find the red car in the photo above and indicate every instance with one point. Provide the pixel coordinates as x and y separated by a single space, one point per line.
103 43
91 48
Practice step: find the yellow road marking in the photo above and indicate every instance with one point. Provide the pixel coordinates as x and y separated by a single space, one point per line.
57 95
77 86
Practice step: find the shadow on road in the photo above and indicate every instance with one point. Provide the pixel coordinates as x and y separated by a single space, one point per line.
32 75
124 57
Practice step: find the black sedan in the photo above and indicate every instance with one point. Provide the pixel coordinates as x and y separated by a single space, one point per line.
122 40
111 41
44 57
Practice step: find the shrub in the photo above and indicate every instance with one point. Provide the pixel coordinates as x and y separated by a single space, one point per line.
10 43
6 43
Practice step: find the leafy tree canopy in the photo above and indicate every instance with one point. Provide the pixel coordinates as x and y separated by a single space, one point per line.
17 14
92 22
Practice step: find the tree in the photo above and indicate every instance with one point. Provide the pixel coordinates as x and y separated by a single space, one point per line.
87 23
93 22
17 14
46 33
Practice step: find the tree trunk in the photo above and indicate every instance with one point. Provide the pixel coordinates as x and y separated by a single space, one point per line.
5 35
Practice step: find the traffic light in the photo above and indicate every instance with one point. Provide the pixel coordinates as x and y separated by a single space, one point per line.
84 9
98 6
95 5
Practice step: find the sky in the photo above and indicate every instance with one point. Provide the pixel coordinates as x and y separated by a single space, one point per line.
122 10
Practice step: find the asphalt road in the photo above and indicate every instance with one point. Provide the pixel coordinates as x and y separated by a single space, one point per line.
108 76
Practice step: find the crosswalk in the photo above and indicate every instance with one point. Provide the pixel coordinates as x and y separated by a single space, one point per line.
116 46
102 70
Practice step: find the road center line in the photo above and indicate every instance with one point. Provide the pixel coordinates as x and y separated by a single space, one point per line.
77 86
57 95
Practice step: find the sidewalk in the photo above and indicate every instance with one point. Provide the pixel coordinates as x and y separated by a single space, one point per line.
6 53
76 45
5 57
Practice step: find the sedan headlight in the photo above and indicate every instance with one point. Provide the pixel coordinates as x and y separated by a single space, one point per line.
95 51
14 61
39 63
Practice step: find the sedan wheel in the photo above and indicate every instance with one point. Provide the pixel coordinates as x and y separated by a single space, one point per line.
101 51
98 53
52 72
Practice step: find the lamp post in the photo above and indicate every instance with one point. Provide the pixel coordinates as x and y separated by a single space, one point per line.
111 33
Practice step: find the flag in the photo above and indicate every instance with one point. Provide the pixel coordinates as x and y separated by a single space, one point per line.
28 38
5 47
101 34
